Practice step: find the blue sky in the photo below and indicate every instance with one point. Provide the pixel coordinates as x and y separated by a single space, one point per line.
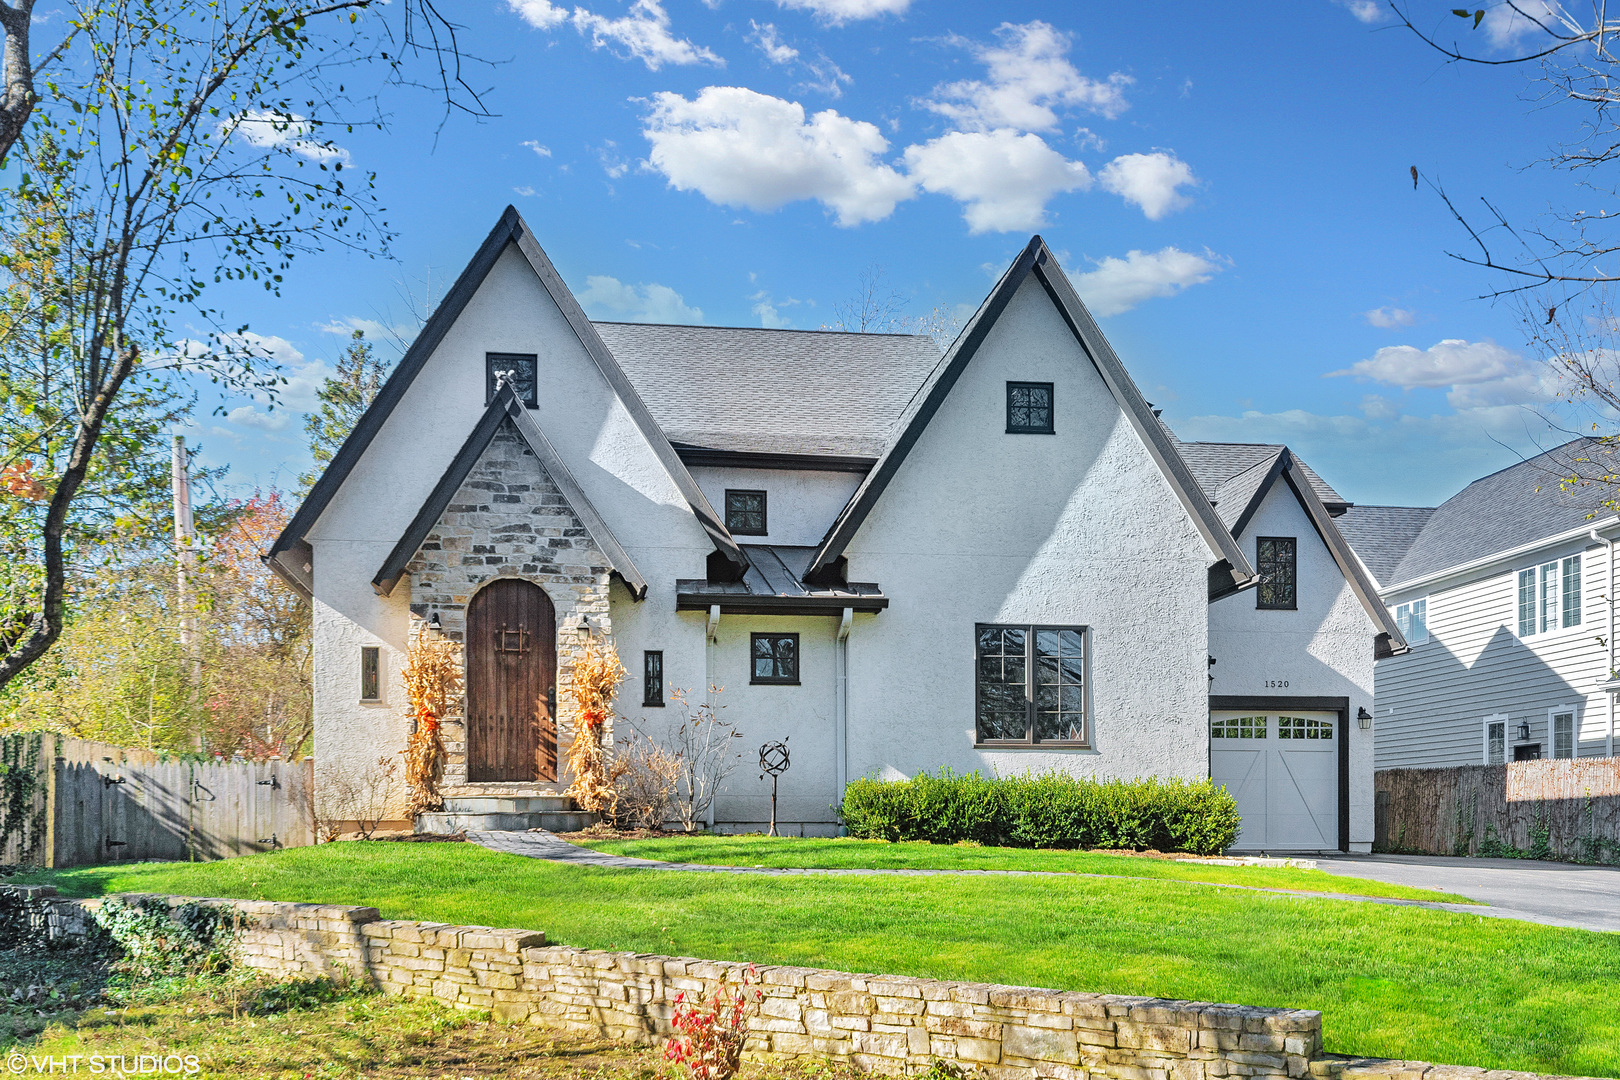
1228 186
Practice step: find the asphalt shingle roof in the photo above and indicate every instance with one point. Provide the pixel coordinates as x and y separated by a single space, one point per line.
1516 506
1213 464
772 391
1382 535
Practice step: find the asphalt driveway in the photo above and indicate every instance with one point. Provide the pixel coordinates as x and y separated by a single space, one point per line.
1558 894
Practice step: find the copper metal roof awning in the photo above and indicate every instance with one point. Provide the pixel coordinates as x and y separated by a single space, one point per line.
772 586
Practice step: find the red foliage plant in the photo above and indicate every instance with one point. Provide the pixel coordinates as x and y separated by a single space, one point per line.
712 1032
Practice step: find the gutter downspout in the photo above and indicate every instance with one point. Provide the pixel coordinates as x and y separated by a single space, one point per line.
710 640
1608 741
841 709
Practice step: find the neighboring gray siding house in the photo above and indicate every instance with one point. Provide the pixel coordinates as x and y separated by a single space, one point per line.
997 559
1505 593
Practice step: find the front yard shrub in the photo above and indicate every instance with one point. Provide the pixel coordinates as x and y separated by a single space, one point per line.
1046 810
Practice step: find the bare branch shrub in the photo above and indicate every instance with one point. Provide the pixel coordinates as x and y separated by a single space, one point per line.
361 795
706 749
646 777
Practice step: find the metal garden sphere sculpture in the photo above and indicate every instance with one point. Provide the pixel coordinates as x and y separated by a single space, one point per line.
773 762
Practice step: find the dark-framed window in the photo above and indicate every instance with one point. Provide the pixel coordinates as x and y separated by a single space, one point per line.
652 678
774 658
525 375
1031 684
1029 408
1278 559
745 512
370 673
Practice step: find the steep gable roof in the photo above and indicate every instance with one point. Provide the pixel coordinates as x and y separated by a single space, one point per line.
740 390
506 408
1215 463
1510 508
1231 571
290 553
1382 535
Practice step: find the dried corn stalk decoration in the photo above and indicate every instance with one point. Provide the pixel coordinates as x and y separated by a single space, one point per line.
596 678
433 682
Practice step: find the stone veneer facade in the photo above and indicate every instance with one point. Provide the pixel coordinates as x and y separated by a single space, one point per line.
880 1023
509 520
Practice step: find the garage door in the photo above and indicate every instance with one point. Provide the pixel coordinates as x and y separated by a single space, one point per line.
1283 769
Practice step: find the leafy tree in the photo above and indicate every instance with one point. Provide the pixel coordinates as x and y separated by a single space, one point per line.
174 147
344 397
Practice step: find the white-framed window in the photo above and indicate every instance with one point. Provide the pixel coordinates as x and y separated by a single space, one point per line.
1562 723
1549 596
1413 620
1495 740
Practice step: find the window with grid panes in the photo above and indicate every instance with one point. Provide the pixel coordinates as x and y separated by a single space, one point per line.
1029 408
1031 684
1277 559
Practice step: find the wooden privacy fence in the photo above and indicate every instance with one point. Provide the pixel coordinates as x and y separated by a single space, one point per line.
70 802
1550 809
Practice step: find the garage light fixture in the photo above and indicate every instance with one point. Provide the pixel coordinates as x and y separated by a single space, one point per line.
1364 718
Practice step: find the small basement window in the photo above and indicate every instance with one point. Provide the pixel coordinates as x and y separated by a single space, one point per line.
1279 573
775 659
1029 408
370 673
1031 684
745 512
525 375
652 678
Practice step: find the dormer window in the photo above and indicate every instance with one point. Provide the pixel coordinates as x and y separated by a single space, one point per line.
1029 408
524 368
745 512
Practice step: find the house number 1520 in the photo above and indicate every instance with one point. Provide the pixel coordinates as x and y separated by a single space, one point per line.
1276 684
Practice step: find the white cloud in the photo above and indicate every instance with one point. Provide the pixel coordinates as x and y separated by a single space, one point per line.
1030 78
1507 25
742 148
271 130
769 317
1151 181
607 297
1367 11
839 12
770 43
1120 284
643 33
1479 374
538 148
1388 318
249 417
526 191
1006 179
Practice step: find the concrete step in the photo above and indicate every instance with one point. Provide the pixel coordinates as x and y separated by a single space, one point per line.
507 804
447 821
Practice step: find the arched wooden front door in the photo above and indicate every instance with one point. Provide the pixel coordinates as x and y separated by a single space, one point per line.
511 681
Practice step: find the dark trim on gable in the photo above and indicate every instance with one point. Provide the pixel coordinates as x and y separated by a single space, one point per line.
1037 259
511 229
1278 463
506 406
1388 640
295 566
702 456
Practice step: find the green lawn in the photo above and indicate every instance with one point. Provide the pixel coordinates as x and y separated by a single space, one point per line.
880 854
1391 981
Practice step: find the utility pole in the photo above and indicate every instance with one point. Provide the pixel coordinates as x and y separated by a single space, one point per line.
186 567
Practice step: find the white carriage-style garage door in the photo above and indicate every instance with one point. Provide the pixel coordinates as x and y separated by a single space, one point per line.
1283 769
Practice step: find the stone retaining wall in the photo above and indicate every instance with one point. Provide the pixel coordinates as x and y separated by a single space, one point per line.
882 1024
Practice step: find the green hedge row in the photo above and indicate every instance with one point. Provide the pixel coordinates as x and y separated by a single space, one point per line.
1050 810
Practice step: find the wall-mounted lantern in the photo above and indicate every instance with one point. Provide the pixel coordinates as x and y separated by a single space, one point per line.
1364 718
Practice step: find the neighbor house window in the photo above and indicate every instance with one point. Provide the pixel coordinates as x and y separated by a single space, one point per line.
1279 572
1029 408
1563 734
1495 740
1031 682
745 512
1303 727
524 369
370 673
1413 620
775 659
1549 596
652 678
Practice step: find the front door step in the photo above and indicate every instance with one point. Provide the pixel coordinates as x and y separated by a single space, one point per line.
505 812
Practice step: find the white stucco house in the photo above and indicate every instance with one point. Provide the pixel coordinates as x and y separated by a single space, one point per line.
1506 594
996 559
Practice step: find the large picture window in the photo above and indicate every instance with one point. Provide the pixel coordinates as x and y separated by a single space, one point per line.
1278 559
1549 596
1031 684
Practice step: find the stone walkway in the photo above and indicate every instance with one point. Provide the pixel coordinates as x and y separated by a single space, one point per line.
544 845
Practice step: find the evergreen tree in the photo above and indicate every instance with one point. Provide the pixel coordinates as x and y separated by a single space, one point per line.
344 397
